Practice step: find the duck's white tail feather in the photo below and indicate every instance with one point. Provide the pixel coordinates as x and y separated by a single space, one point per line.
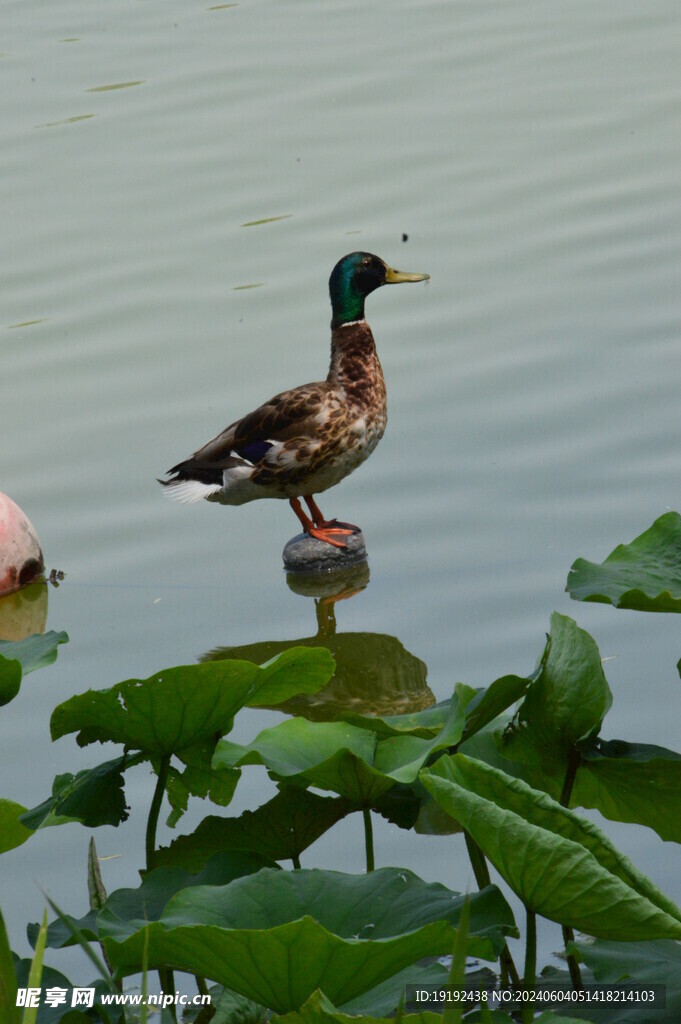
188 491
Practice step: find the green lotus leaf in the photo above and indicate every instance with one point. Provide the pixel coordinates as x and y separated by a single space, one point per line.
34 651
50 978
339 757
13 832
19 657
329 755
401 805
644 575
475 707
59 934
300 956
488 704
433 821
426 723
320 1010
199 779
647 963
379 905
281 829
484 745
8 980
94 796
231 1008
559 864
126 910
402 757
343 934
383 1000
10 679
296 670
180 707
553 1017
632 782
564 704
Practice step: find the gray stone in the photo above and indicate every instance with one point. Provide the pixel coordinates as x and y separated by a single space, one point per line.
306 554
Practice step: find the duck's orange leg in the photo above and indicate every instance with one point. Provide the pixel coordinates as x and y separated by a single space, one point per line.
326 532
328 524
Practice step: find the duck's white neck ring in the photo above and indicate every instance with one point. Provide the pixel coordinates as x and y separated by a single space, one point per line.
353 323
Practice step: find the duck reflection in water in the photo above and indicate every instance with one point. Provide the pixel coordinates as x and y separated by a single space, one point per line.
375 674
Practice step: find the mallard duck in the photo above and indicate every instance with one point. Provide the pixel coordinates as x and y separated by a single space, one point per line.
305 440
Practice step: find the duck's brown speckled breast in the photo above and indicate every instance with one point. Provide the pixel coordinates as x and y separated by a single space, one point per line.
356 414
348 425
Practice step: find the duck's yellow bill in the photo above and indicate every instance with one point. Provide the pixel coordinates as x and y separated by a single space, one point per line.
399 277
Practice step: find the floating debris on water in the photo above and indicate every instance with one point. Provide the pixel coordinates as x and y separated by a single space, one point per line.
266 220
115 85
66 120
26 323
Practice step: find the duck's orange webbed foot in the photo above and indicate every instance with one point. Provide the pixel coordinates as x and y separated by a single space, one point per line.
332 525
340 527
328 536
329 531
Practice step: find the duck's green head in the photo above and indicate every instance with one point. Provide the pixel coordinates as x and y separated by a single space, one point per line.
356 276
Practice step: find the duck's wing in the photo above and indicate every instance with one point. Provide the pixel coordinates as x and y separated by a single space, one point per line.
291 414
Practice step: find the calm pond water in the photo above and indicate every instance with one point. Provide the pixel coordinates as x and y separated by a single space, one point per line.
178 180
